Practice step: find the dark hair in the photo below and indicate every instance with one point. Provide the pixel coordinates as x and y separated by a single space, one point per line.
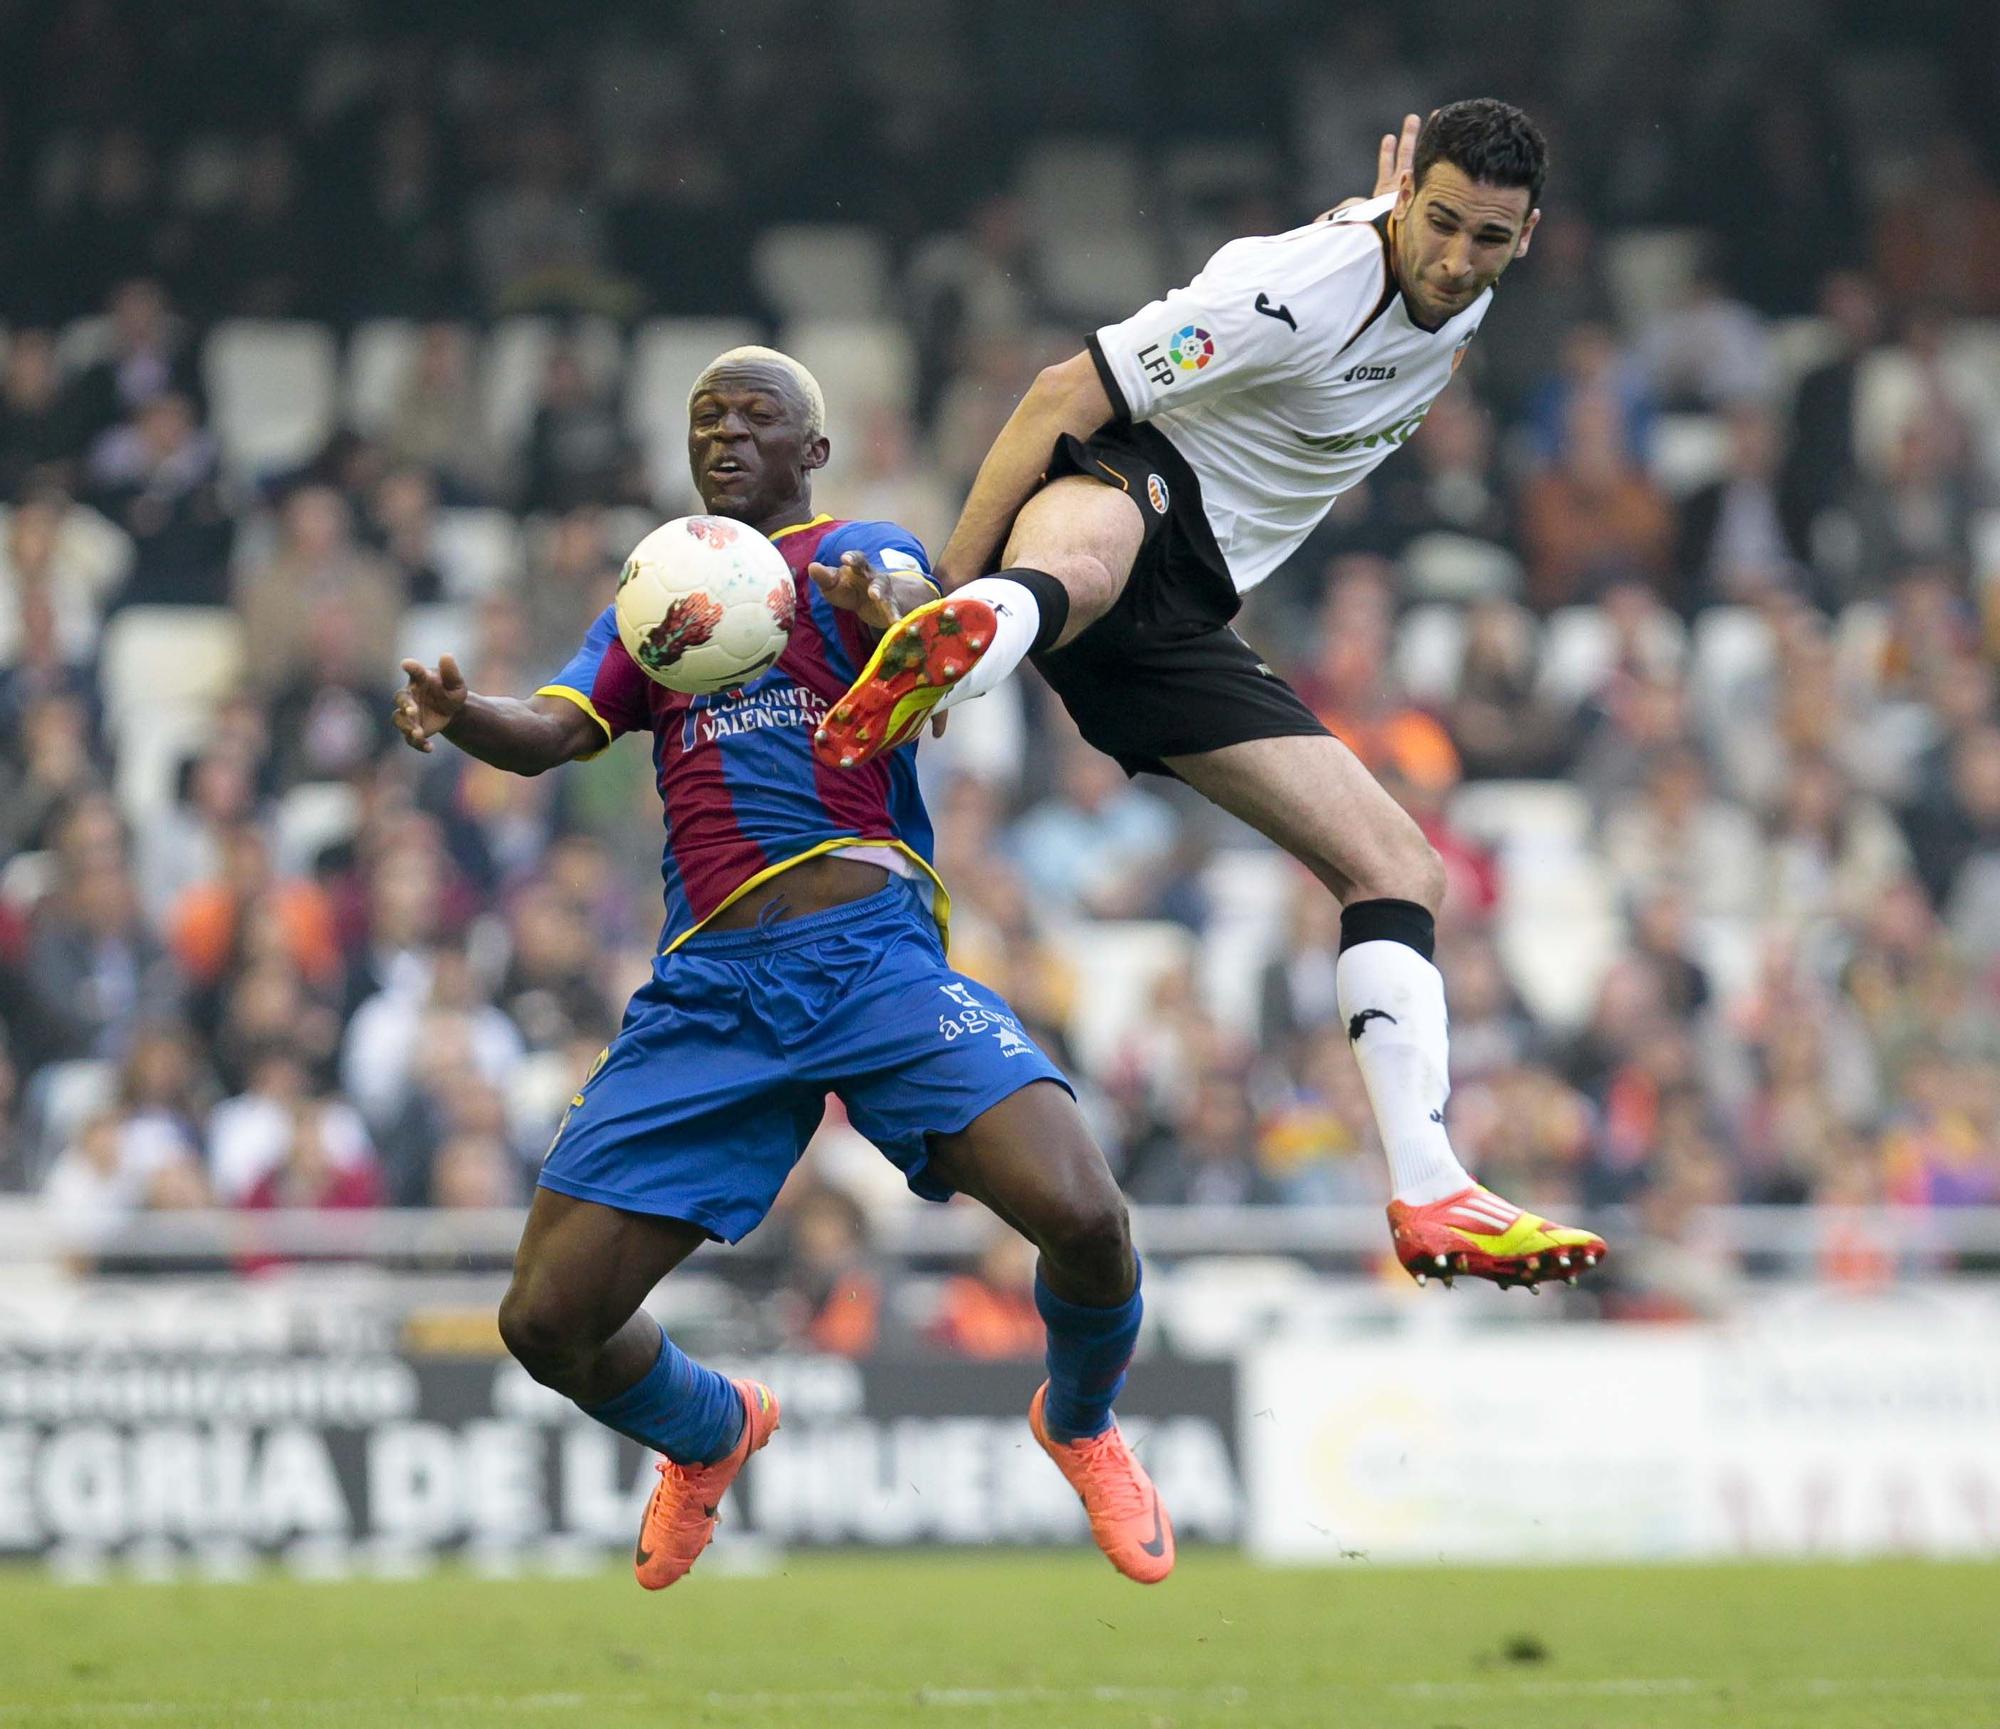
1485 140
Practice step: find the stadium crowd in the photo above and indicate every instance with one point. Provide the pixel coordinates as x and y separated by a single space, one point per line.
1676 623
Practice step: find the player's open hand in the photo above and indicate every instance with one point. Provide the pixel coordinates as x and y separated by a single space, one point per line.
856 586
1396 156
430 701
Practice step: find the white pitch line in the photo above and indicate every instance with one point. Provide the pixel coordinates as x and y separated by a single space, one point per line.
986 1698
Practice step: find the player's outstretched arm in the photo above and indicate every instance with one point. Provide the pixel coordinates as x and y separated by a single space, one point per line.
1068 397
523 737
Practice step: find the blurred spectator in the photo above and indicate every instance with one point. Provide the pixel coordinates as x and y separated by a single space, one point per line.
1499 723
48 767
246 910
258 258
831 1299
436 423
402 248
104 1178
92 952
474 1171
1299 994
65 558
315 555
249 1133
1943 249
402 525
1735 540
38 423
1708 352
538 242
156 477
568 583
1099 845
577 452
1677 831
425 1000
308 1173
1960 821
1203 1155
1819 463
1593 513
149 356
989 1313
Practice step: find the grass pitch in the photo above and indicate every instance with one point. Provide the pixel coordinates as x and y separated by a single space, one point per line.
992 1642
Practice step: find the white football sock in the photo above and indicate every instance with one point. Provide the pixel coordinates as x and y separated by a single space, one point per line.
1020 619
1393 1000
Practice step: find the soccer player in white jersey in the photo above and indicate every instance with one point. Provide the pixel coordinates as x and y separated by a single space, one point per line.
1143 485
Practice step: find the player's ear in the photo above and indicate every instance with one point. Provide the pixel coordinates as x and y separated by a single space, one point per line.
1406 192
816 452
1527 233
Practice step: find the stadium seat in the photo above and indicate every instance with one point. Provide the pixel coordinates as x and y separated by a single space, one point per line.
25 878
1986 545
823 270
1082 186
1731 644
1445 566
429 631
273 390
1503 813
60 1096
165 654
1248 890
83 342
310 819
1689 451
1107 275
476 549
1648 270
154 746
1578 648
1430 650
380 354
206 175
1797 346
1127 959
517 357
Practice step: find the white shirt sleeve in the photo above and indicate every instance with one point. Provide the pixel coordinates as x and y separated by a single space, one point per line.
1263 308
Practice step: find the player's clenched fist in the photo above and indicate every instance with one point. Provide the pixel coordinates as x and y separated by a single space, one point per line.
430 701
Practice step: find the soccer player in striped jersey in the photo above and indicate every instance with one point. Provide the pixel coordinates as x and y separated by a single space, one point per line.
803 953
1143 486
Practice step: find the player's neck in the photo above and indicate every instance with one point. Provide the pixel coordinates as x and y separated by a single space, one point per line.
790 514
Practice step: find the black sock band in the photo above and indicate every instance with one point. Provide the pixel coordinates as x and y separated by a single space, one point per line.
1387 921
1051 600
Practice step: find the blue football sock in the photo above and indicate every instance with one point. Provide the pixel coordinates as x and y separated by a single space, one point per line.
1088 1351
691 1414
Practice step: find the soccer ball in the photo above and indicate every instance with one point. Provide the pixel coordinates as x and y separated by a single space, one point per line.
705 604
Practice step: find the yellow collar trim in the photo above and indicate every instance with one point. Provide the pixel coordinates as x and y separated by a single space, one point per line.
799 527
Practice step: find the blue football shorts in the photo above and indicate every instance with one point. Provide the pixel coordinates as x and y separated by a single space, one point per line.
718 1077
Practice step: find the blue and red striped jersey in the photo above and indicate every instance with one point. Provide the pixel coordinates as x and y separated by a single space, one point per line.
744 796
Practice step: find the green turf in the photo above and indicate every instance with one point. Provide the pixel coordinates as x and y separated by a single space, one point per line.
962 1642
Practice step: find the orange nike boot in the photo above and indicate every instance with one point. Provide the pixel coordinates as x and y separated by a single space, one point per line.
681 1517
1126 1517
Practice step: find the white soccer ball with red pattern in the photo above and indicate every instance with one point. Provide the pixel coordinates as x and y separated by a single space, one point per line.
705 604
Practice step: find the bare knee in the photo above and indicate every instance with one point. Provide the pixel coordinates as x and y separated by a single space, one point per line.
1406 867
541 1333
1087 1243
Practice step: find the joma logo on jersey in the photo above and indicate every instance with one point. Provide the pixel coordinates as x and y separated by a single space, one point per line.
1339 443
1367 374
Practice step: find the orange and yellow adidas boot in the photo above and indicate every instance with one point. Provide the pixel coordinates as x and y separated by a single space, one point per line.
920 657
1126 1517
681 1517
1476 1232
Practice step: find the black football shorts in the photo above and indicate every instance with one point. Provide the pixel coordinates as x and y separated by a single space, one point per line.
1162 673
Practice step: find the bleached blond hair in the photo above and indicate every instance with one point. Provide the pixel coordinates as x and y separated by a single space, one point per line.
752 354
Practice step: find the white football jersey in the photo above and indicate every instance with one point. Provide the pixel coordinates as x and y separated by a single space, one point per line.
1283 374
